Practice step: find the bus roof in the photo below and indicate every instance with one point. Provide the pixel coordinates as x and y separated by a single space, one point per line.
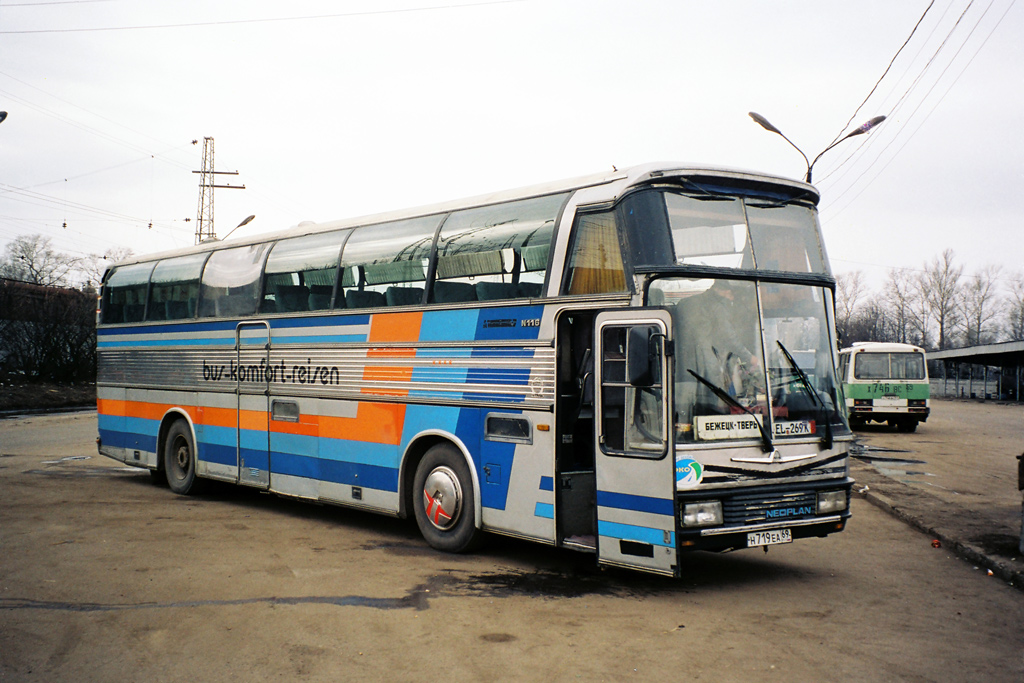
616 182
883 347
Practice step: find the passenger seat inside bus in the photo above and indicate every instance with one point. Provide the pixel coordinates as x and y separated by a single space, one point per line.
320 297
291 298
492 291
366 299
453 292
404 296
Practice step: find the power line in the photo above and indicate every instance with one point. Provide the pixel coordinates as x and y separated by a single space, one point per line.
930 112
875 86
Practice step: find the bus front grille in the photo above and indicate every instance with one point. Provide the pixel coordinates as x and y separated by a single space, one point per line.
752 508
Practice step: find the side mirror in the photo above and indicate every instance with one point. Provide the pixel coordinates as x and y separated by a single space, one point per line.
641 357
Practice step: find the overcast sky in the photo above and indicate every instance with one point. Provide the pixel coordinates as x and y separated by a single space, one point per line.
335 109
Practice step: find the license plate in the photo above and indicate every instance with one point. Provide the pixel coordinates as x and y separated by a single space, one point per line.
773 537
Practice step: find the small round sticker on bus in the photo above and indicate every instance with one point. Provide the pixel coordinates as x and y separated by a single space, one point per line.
688 473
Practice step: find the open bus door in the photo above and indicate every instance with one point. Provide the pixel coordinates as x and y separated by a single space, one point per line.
252 351
634 464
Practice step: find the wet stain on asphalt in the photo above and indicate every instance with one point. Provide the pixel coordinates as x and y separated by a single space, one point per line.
451 584
58 468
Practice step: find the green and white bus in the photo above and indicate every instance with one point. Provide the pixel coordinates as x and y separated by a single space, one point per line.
885 382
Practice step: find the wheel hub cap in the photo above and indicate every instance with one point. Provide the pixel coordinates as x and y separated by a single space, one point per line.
442 498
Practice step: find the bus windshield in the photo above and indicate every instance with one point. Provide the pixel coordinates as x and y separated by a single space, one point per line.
889 366
780 364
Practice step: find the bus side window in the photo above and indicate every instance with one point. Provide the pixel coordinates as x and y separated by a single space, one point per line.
231 282
386 264
124 294
300 273
496 252
175 288
595 260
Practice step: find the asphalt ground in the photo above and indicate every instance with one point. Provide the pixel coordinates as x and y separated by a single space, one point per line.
106 577
955 480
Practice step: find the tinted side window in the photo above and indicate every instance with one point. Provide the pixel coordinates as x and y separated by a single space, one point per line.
124 294
496 252
231 282
174 292
300 273
386 265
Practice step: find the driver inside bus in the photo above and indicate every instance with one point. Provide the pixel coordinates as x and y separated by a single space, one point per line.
717 338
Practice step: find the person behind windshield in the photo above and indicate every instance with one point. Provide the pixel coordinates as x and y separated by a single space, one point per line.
718 338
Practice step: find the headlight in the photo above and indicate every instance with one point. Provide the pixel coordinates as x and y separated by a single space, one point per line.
707 513
831 501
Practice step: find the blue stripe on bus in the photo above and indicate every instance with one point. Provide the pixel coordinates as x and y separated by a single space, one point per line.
628 532
626 501
449 325
367 476
294 465
508 323
359 453
222 436
222 341
334 318
339 319
322 339
546 510
168 329
138 441
115 438
547 484
217 453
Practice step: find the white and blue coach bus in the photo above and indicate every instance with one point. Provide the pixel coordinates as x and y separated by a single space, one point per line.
634 364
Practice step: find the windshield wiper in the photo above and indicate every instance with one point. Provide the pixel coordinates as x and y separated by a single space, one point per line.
766 440
826 440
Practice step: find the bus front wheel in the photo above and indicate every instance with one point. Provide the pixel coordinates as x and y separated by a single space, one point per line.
443 500
180 459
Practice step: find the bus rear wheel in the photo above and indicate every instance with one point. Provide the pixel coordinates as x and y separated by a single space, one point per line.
444 502
180 459
906 426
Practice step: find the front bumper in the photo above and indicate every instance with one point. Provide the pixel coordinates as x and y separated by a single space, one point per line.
764 508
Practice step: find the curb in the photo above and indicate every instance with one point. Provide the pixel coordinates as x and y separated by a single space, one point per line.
28 412
965 551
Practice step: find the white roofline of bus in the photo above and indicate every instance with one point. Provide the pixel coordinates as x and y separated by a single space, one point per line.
882 347
618 181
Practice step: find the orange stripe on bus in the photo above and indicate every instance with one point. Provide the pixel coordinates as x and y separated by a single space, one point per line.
395 327
309 426
374 423
112 407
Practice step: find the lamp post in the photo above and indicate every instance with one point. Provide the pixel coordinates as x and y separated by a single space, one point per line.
244 222
864 128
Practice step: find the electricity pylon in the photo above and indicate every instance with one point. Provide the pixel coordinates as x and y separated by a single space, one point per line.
204 221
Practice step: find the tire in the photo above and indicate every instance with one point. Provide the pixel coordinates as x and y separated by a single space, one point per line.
444 502
180 459
907 426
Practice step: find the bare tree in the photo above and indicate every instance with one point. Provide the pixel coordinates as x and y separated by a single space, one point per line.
979 306
93 266
32 258
1013 327
902 301
940 289
849 290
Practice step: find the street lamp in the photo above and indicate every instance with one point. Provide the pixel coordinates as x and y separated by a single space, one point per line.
864 128
245 222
